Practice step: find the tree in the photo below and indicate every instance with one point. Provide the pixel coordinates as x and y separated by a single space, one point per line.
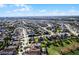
7 41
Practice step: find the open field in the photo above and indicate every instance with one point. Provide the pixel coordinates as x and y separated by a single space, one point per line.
68 46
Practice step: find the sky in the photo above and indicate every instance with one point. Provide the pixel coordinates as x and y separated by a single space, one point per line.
15 10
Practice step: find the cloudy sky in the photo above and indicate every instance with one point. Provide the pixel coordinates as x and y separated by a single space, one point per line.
12 10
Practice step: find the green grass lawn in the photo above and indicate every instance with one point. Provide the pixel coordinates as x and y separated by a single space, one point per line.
56 49
55 46
36 39
53 50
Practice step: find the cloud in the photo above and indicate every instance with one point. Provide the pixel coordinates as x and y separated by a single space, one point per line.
20 8
56 13
43 10
20 5
71 12
65 13
2 5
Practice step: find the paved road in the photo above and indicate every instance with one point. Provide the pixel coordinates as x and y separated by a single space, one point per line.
44 28
25 42
70 29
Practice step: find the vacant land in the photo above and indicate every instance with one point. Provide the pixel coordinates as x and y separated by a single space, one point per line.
69 46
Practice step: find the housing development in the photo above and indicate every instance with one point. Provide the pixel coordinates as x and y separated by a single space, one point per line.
39 35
